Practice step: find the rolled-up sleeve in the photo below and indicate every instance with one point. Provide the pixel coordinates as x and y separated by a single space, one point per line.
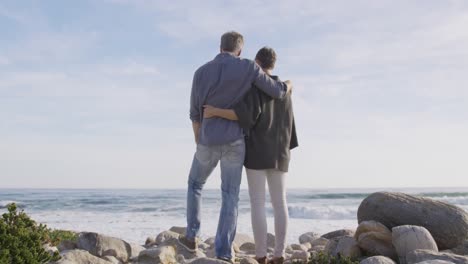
195 114
275 89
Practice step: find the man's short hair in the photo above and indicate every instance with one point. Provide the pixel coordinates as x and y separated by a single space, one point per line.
266 57
232 41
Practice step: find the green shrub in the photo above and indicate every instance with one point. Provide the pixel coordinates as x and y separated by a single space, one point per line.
22 239
322 258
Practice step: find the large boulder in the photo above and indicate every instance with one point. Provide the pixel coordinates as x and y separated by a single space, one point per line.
461 249
447 223
80 256
378 260
101 245
419 255
408 238
178 229
375 239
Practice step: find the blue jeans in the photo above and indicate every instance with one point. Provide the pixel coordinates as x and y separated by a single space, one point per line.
231 157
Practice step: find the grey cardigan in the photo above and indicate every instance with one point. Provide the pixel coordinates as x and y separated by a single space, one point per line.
270 130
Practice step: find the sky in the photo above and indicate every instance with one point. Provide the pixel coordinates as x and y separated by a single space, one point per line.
95 93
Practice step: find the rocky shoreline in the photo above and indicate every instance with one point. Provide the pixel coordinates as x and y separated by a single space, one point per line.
392 228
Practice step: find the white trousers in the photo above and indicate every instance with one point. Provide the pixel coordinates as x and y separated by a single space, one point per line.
276 184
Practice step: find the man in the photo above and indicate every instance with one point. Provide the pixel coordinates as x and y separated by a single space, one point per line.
221 82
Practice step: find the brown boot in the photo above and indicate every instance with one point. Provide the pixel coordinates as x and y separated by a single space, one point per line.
262 260
279 260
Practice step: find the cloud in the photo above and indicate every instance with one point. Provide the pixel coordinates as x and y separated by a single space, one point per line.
130 69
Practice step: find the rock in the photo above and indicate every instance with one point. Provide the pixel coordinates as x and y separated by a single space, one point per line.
210 241
435 261
162 254
150 241
348 247
178 229
447 223
112 259
203 246
270 240
321 241
205 260
241 238
307 245
420 255
180 259
462 249
76 256
308 237
318 248
66 245
408 238
338 233
101 245
165 235
378 260
248 246
181 249
344 246
375 239
299 247
300 255
248 260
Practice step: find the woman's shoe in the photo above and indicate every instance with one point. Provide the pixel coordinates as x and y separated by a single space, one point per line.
262 260
279 260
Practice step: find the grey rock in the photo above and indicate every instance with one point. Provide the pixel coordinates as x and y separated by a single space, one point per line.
375 239
248 246
165 235
408 238
435 261
76 256
308 237
241 238
321 241
248 260
447 223
178 229
179 249
112 259
210 241
348 247
101 245
378 260
150 241
270 240
66 245
339 233
205 260
300 255
162 254
420 255
461 249
298 247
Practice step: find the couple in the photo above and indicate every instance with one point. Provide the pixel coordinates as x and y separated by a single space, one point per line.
241 115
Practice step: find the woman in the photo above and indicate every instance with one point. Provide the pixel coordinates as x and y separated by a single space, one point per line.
270 134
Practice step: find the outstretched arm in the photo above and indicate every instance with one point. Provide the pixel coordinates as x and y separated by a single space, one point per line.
211 111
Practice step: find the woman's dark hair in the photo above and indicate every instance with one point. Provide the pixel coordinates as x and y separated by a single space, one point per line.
266 57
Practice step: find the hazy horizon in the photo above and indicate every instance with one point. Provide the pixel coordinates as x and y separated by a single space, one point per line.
95 94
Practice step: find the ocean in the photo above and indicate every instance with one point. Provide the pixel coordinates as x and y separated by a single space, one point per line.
134 215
